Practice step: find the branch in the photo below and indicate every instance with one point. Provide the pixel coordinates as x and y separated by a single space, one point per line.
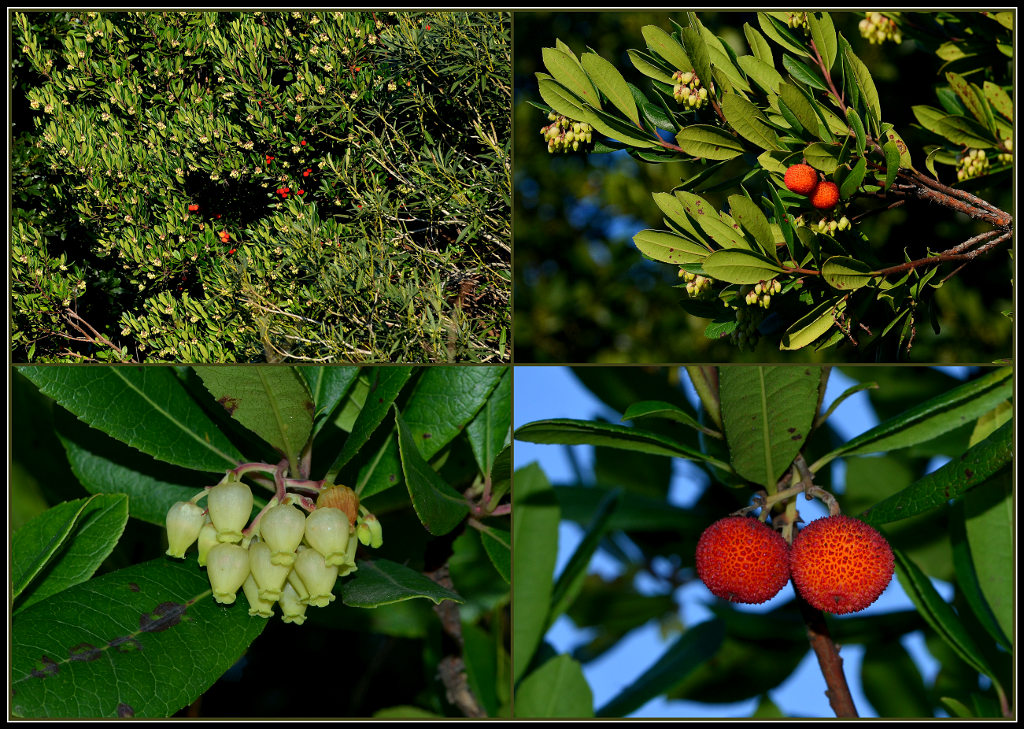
831 664
452 668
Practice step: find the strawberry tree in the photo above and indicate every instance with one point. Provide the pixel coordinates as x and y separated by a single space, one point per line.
761 258
268 518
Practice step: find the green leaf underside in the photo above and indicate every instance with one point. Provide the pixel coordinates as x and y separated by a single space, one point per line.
385 384
272 402
328 386
707 142
845 273
535 536
667 47
64 546
439 507
611 83
382 582
153 412
143 641
934 490
669 247
585 432
497 543
488 432
568 72
813 325
767 413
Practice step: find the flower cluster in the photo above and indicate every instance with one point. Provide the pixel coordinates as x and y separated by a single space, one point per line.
799 20
760 294
878 28
696 285
746 333
688 90
831 226
564 134
284 556
1005 158
974 163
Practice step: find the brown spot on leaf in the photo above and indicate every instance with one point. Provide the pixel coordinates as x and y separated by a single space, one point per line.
45 667
166 615
125 644
133 587
426 436
790 430
228 403
85 652
124 711
308 404
969 473
797 437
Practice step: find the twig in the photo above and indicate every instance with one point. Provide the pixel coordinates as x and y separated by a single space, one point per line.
452 668
838 691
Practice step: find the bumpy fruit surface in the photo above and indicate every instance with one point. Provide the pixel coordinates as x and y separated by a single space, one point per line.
740 559
825 196
801 179
840 564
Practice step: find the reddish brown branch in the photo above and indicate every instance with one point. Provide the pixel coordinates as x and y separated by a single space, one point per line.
831 664
452 669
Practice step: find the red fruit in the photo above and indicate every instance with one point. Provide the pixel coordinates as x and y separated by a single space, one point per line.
302 192
826 196
801 179
741 559
224 236
303 143
193 207
840 564
306 173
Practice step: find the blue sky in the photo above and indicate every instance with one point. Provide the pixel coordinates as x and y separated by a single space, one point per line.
542 392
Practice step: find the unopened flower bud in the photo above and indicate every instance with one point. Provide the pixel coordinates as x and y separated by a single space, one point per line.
207 539
270 577
184 522
281 528
370 532
293 610
327 531
258 607
317 576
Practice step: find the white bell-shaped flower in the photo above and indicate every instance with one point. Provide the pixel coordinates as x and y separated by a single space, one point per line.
317 576
269 577
281 528
184 521
227 566
293 610
258 607
327 531
230 505
349 565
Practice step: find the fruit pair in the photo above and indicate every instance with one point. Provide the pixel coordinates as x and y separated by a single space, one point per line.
803 180
838 564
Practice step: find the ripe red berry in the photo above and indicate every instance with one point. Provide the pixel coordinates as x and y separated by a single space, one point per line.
826 196
303 143
193 207
840 564
224 236
802 179
306 173
741 559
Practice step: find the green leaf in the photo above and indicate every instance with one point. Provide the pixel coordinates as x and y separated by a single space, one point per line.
749 122
890 134
674 210
649 69
64 546
558 99
445 400
666 410
669 247
930 419
497 542
382 582
767 413
636 514
272 402
585 432
750 216
780 34
821 156
813 324
740 267
144 641
707 142
800 106
614 128
535 536
385 384
567 71
845 273
999 99
697 52
694 648
724 231
489 430
328 386
823 33
955 128
892 162
938 614
667 47
556 690
611 83
973 99
803 73
761 73
146 407
862 77
853 119
934 490
439 507
853 180
760 47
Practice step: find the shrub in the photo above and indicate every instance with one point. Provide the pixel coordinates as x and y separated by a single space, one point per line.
206 186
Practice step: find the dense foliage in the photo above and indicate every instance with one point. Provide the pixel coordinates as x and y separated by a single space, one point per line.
203 186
